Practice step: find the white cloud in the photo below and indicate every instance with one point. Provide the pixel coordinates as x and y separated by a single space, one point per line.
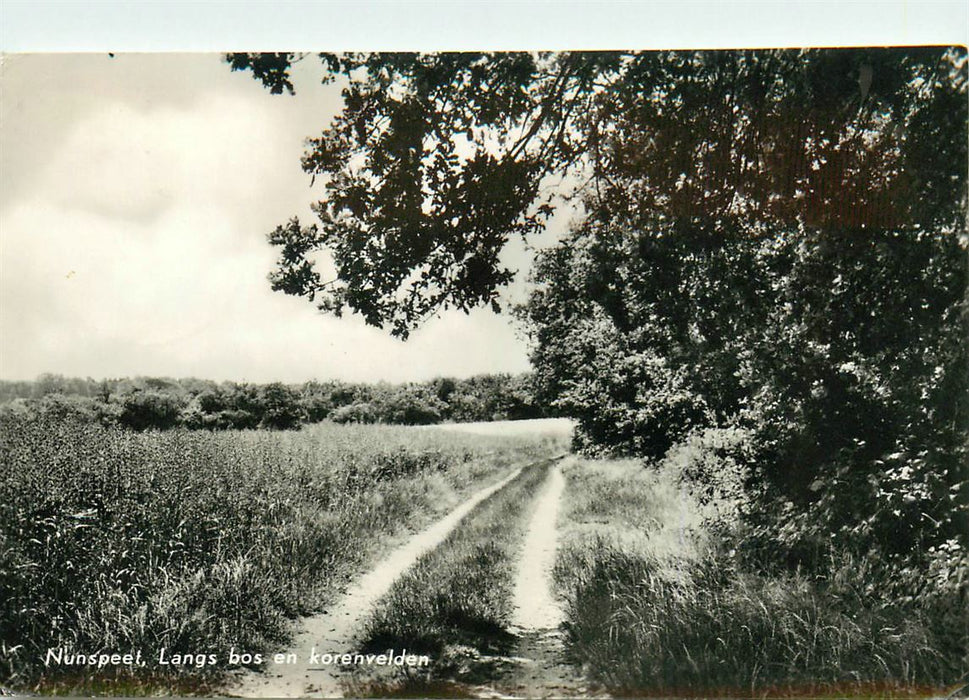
138 247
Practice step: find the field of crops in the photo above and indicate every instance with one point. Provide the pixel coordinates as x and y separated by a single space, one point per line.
188 543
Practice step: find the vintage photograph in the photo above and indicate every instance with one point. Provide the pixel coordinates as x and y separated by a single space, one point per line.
505 374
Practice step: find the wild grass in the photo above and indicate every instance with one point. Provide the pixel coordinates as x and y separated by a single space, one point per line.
200 542
457 599
655 606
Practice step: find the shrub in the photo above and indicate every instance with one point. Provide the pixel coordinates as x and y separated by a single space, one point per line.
281 407
144 409
411 408
355 413
713 464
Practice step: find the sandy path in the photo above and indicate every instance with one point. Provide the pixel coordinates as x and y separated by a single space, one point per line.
540 668
336 630
535 606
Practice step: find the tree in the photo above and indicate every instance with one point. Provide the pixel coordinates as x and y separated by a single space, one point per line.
771 240
437 160
281 408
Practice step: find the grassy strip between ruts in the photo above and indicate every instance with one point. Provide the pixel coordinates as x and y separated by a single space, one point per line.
199 543
655 608
456 602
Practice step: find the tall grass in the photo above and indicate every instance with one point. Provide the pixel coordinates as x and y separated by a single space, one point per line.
655 606
199 542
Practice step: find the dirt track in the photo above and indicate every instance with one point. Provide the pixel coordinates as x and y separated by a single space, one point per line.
537 668
336 630
535 604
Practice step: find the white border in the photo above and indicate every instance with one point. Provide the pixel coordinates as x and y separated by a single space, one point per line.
274 25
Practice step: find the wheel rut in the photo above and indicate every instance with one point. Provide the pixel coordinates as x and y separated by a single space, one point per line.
539 667
337 630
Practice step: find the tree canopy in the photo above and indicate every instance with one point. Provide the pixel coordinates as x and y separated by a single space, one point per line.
437 160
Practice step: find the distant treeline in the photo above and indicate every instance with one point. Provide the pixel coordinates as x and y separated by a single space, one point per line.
160 403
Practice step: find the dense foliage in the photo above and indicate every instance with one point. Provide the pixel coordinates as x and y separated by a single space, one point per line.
436 160
846 370
161 404
824 314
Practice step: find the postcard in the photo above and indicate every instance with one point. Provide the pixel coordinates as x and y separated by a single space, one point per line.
566 373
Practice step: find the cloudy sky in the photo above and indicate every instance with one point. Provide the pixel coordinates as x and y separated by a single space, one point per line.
135 198
136 191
